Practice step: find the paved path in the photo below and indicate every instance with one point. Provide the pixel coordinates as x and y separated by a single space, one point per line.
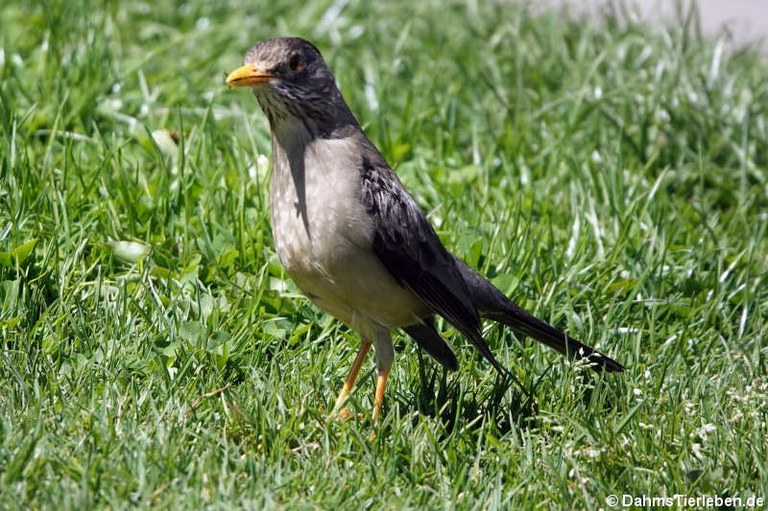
746 21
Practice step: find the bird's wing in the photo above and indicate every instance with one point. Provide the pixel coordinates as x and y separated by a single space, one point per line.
410 249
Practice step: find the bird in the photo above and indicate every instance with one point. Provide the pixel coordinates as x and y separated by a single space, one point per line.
352 237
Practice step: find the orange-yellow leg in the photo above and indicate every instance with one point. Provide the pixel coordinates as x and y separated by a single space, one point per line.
350 381
381 384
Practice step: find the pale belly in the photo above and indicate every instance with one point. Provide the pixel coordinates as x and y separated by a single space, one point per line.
323 238
358 290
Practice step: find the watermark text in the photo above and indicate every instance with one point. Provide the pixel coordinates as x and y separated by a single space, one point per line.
681 501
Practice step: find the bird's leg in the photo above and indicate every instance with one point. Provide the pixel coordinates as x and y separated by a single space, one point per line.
385 355
350 381
381 384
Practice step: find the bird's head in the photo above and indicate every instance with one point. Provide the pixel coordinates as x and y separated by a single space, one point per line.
289 79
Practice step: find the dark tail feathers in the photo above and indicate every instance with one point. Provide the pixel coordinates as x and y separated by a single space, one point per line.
493 304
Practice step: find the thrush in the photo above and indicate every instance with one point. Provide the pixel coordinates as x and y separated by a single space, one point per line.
353 239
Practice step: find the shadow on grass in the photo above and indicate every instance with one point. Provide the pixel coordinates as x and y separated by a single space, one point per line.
505 403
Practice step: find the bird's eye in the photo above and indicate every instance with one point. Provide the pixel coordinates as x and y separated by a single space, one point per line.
295 64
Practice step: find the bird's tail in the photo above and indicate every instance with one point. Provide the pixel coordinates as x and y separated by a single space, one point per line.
493 304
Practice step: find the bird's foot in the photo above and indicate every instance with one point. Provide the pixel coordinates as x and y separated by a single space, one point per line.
344 415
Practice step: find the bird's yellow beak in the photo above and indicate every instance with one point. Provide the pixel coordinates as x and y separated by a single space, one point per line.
248 75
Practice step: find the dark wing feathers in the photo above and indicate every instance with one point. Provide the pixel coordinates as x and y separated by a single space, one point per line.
410 249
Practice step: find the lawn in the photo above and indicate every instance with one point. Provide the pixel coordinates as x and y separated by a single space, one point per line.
610 176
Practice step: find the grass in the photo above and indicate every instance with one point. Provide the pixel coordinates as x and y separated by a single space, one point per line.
609 175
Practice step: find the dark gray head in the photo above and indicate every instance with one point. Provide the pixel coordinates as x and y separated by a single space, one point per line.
290 79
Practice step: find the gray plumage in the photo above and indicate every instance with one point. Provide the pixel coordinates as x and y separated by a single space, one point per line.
350 235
